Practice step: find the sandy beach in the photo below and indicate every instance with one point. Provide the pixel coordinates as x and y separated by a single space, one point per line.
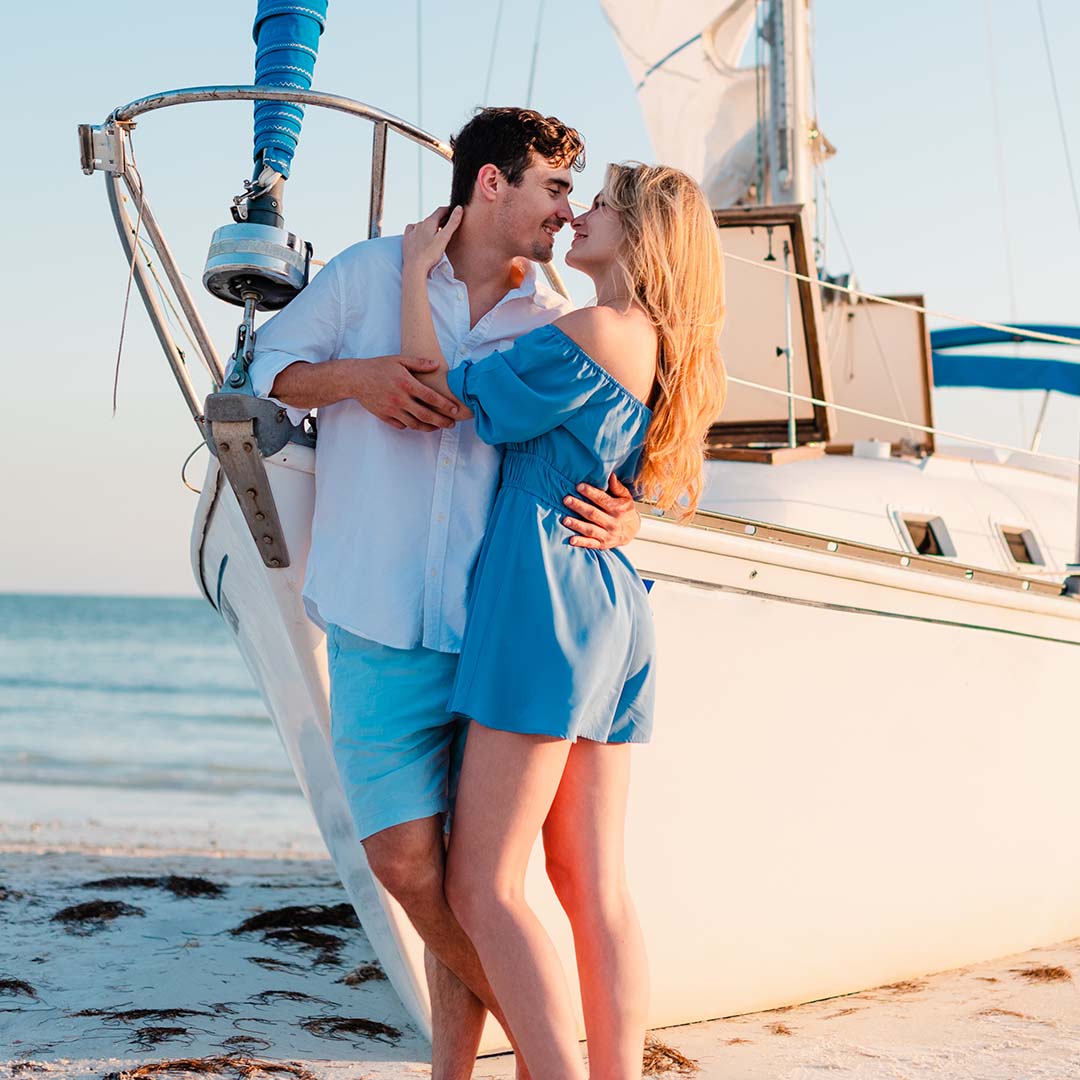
117 958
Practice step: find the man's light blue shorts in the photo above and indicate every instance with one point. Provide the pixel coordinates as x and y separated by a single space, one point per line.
394 742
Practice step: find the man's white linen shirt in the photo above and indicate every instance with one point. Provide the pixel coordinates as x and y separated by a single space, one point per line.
399 515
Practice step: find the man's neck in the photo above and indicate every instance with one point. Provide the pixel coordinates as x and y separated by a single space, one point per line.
486 270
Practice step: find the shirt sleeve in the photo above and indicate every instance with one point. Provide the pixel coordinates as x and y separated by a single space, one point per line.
529 389
308 330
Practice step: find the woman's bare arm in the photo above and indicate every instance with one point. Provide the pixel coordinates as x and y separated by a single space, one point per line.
422 247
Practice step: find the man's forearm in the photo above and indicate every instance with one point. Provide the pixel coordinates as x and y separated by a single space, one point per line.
309 386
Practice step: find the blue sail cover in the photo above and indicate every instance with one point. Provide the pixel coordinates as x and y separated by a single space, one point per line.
286 43
1002 372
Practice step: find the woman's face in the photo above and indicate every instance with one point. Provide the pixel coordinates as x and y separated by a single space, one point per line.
598 234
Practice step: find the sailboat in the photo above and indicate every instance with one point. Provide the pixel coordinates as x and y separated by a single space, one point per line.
863 768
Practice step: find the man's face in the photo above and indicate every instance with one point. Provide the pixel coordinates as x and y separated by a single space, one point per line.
529 214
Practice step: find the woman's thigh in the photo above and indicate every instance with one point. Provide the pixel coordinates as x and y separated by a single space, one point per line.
508 781
585 827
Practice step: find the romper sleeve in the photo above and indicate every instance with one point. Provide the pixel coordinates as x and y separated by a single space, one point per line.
308 329
533 387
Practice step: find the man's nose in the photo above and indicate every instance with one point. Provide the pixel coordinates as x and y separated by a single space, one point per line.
565 214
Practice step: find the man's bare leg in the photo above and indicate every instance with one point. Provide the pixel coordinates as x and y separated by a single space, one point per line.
457 1021
409 860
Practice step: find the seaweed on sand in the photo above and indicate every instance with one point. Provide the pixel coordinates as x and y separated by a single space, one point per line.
246 1042
177 885
341 1027
268 996
95 913
362 974
17 986
340 915
130 1016
146 1038
661 1058
1044 973
235 1065
272 963
327 947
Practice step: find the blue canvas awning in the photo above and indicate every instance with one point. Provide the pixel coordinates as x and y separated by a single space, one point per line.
286 36
1002 372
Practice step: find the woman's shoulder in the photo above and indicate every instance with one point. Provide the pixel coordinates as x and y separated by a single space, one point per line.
623 344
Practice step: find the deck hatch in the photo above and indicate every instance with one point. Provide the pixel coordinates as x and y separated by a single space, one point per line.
928 535
1022 545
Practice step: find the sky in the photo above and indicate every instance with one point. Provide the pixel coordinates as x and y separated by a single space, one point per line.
94 502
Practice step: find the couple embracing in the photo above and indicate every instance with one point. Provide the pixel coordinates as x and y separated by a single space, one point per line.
490 648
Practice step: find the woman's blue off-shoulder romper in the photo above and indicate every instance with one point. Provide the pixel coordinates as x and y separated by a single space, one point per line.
559 639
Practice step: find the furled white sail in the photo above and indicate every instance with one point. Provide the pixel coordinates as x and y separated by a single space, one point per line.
699 105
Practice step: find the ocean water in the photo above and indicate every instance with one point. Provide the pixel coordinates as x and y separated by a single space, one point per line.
137 709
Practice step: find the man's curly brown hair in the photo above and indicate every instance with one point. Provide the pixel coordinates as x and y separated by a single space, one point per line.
507 138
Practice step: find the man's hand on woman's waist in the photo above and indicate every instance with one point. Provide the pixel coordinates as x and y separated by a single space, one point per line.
606 519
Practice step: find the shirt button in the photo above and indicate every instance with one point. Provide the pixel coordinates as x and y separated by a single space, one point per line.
446 461
440 517
434 572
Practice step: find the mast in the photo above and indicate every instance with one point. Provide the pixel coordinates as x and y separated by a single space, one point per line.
790 165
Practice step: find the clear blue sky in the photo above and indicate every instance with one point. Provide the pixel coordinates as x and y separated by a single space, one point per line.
95 504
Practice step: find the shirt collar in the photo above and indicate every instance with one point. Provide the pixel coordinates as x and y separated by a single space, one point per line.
531 288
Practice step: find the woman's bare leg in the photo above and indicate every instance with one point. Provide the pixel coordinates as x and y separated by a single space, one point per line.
507 784
584 844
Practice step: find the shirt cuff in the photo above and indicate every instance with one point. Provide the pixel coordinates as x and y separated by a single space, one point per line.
265 369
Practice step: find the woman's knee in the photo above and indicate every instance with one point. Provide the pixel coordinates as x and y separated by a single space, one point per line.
586 895
476 898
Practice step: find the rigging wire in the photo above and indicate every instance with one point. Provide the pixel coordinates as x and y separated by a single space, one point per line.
869 317
999 156
1060 113
486 99
535 53
1003 198
131 272
419 108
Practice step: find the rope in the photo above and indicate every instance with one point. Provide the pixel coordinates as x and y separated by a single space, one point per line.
183 469
1017 331
1057 103
904 423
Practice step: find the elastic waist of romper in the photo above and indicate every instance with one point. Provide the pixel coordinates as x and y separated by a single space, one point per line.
532 473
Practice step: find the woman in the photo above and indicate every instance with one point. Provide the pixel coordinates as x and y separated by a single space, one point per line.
556 671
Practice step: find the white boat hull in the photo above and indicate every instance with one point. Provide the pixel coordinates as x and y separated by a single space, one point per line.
860 774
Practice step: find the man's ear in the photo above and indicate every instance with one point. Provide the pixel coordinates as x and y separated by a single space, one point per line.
488 180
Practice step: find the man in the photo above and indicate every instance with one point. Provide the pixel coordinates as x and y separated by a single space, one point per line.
400 514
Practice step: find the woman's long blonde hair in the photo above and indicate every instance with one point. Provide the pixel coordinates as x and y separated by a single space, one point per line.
674 268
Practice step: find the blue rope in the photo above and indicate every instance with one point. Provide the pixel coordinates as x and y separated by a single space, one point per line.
286 36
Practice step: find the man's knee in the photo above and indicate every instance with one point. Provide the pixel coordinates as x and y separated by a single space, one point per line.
408 861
